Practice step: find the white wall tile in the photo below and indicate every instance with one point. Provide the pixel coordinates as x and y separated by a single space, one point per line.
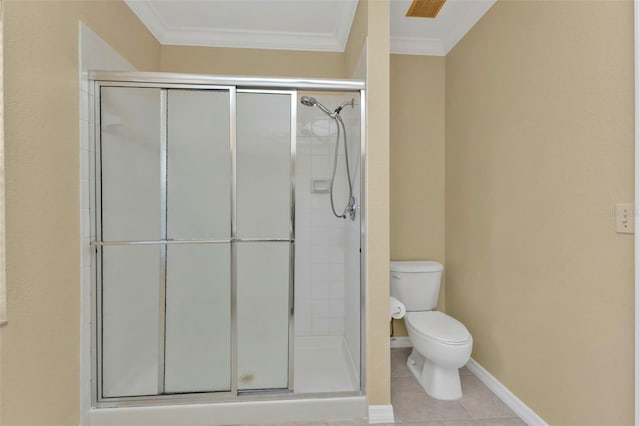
320 272
86 252
320 290
84 130
320 308
336 308
320 326
85 227
84 106
320 254
303 288
303 324
85 197
320 236
336 326
336 289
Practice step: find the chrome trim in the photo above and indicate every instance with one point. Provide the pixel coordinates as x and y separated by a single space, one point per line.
169 242
292 237
263 240
363 242
99 252
186 81
234 247
103 83
162 291
266 91
254 82
94 253
213 397
291 240
158 242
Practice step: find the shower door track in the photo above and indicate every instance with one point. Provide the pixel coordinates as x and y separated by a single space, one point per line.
233 85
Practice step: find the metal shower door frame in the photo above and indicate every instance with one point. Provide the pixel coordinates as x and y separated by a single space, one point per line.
165 82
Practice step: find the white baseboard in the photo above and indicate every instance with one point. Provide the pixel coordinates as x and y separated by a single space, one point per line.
381 414
401 342
512 401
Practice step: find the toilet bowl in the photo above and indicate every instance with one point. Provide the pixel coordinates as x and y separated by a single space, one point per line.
441 344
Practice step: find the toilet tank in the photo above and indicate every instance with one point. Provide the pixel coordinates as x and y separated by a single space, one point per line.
416 283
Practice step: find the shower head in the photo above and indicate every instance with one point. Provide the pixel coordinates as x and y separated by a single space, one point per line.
308 101
311 101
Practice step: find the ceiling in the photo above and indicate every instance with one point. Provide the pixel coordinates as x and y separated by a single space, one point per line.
320 25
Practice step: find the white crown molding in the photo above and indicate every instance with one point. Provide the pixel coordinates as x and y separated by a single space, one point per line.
452 25
345 20
280 40
474 11
381 414
251 39
417 46
149 17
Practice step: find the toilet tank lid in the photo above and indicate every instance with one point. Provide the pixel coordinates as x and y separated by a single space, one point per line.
416 266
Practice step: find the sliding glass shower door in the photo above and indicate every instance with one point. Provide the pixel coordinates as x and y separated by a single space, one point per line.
194 241
265 235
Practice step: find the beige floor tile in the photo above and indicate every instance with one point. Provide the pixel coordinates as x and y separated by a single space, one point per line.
464 371
406 384
399 362
440 423
480 402
291 424
419 407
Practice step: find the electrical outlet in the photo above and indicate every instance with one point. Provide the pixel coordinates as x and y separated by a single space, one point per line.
625 218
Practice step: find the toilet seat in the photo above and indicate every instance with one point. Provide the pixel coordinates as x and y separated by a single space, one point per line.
439 327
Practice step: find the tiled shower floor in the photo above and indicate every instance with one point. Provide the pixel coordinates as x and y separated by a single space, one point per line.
322 365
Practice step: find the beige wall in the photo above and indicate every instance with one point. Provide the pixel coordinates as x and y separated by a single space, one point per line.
417 161
41 344
356 44
370 34
258 62
539 148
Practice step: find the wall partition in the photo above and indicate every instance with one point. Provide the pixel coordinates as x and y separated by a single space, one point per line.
193 238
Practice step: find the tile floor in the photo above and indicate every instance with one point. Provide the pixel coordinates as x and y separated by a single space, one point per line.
413 407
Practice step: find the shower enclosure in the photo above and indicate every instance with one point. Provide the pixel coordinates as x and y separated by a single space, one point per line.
220 273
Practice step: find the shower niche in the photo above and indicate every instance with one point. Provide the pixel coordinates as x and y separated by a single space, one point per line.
202 268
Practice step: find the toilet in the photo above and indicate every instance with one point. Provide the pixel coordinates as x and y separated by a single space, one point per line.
441 344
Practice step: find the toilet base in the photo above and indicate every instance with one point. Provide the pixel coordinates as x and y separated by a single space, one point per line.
438 382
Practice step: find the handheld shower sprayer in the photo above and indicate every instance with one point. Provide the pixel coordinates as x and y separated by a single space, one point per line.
350 208
311 102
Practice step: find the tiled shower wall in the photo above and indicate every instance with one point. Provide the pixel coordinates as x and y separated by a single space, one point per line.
95 54
320 236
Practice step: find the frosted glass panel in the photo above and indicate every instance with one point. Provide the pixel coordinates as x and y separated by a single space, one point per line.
198 348
199 165
130 125
263 165
263 315
130 320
